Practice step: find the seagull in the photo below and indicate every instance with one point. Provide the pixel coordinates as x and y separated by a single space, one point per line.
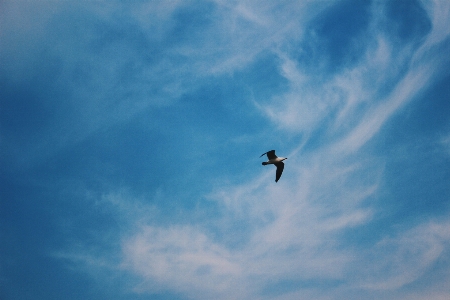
275 160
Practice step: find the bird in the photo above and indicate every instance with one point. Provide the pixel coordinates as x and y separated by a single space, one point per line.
275 160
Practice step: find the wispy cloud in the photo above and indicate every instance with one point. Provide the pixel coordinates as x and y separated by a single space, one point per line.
402 259
182 258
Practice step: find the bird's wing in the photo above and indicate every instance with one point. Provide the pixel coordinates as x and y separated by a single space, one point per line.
280 168
270 154
265 153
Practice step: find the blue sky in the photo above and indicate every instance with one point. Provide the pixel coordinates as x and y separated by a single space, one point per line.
130 135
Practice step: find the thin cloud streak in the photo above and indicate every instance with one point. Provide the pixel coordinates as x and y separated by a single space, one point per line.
405 91
404 258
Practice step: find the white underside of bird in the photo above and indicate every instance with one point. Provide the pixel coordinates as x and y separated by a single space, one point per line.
275 160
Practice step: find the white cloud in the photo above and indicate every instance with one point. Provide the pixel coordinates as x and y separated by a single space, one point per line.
361 89
396 261
374 118
293 247
184 259
438 11
248 28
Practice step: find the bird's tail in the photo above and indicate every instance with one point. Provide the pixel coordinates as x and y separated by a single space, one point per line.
264 163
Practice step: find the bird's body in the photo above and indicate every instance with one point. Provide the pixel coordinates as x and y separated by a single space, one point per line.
275 160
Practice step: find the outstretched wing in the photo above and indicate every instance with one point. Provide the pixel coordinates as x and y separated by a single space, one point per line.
270 154
280 168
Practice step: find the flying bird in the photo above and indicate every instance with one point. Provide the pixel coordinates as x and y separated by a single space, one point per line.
275 160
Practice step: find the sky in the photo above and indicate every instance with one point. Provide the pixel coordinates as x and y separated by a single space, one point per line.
131 135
